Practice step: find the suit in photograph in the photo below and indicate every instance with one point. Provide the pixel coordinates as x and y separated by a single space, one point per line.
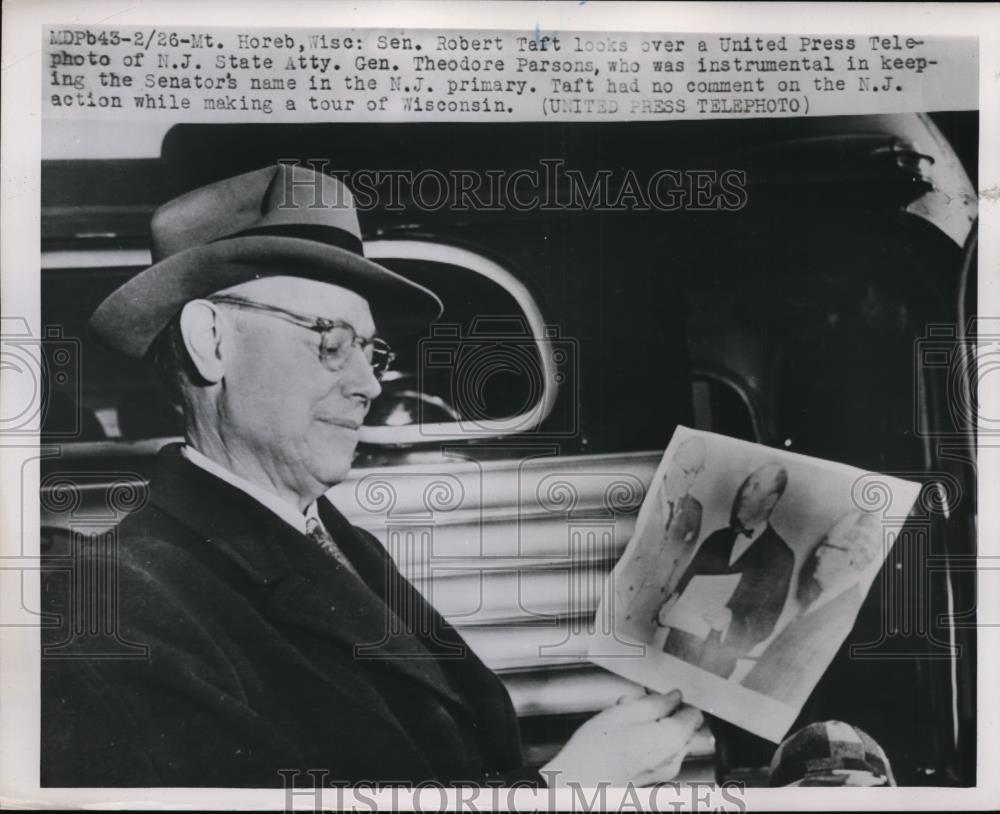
765 570
792 664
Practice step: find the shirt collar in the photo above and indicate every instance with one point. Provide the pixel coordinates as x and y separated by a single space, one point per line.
269 500
742 542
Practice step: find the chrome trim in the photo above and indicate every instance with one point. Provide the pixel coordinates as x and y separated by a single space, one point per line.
737 383
95 258
452 431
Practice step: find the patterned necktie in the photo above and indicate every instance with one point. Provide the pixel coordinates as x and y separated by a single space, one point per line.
320 536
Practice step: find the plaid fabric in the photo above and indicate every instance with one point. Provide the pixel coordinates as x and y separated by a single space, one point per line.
830 753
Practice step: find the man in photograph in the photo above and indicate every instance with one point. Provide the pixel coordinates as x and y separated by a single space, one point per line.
828 597
752 558
670 536
279 637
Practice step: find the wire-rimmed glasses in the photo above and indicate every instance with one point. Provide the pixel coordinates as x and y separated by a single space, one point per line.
337 337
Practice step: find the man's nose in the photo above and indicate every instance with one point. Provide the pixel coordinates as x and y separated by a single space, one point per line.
372 386
363 381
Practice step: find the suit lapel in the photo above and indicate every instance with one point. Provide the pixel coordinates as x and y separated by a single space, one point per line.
326 598
371 564
231 523
465 672
384 580
305 586
753 553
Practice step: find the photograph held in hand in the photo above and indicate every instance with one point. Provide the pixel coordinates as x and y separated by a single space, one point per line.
766 598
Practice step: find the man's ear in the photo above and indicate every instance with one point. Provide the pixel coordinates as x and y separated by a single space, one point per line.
201 328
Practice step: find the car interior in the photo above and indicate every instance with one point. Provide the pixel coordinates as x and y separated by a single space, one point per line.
826 314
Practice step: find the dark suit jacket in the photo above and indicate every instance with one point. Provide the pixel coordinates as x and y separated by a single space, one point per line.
792 664
252 633
766 568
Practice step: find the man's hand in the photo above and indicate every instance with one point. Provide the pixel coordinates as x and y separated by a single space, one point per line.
640 741
719 619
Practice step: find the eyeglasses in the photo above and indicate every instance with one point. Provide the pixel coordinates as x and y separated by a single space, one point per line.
337 338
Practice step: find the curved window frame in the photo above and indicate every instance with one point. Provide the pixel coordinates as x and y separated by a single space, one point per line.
738 385
411 434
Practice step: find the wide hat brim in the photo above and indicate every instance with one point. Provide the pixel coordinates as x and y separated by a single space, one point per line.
133 315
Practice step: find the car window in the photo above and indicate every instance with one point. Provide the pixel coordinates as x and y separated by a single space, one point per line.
489 367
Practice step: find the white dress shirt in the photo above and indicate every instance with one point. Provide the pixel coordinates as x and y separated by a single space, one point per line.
743 542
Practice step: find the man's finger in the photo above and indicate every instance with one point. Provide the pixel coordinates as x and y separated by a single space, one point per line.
647 708
687 716
635 692
673 731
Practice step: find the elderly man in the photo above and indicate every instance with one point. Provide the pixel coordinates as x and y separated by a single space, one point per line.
829 596
751 551
278 636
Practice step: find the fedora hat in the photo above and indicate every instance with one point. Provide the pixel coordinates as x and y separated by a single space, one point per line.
280 220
